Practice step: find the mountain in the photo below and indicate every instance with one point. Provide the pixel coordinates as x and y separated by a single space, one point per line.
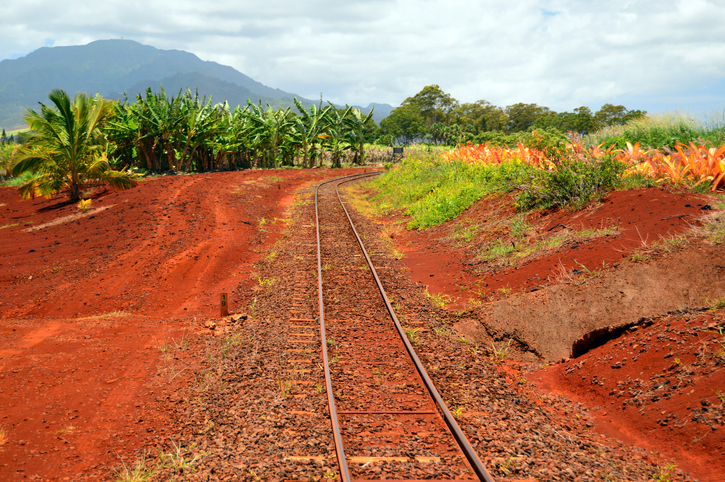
115 67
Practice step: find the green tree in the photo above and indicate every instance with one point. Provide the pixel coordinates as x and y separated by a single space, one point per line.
522 116
358 125
335 138
482 115
67 148
405 124
584 122
611 115
308 128
270 130
434 104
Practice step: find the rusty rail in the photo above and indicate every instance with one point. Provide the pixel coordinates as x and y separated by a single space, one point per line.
476 465
339 449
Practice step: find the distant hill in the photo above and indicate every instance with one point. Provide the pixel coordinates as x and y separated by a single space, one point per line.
112 67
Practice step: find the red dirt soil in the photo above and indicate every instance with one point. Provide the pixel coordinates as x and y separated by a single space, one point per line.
656 387
682 419
86 305
643 216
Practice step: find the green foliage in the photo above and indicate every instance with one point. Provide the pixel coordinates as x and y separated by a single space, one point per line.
498 353
664 474
357 127
6 151
572 182
405 123
186 133
433 104
522 116
435 191
67 148
308 128
434 116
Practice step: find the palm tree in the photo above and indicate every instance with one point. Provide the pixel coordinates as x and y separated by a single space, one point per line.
67 148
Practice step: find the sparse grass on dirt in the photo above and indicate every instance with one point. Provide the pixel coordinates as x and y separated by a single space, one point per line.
138 472
508 240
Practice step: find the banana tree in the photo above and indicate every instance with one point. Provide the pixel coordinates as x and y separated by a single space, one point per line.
334 137
269 130
357 126
308 127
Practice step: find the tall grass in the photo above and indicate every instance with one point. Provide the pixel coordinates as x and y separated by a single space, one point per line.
433 190
663 130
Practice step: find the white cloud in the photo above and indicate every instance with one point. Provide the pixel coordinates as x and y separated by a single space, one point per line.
558 53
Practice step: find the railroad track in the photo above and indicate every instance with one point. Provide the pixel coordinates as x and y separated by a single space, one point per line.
387 418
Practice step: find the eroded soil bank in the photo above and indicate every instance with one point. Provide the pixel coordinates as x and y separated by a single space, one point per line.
626 288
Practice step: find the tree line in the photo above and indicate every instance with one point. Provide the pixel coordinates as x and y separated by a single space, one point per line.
187 133
434 116
85 140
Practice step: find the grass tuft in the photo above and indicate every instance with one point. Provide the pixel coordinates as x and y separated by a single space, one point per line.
139 472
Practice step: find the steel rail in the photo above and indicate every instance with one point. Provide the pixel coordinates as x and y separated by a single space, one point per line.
337 435
468 451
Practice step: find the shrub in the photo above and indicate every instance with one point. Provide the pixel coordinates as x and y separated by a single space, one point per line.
571 182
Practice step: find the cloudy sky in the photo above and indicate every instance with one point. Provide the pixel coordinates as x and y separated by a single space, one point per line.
655 55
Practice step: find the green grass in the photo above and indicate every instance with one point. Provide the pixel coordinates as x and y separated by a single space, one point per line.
504 251
433 191
466 234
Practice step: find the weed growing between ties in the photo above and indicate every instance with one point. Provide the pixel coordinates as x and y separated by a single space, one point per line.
413 334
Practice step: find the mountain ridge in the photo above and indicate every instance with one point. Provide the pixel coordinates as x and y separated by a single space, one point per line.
114 67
